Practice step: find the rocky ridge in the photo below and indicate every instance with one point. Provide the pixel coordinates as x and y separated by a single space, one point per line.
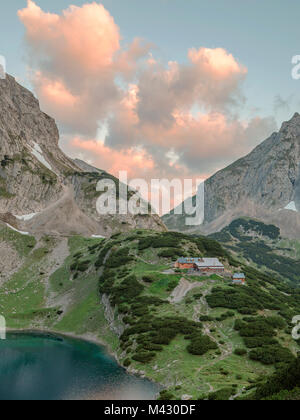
41 189
265 184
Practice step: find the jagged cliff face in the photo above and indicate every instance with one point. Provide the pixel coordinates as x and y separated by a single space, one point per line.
37 177
264 184
268 176
31 163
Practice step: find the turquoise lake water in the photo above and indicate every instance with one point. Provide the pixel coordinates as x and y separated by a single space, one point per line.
49 367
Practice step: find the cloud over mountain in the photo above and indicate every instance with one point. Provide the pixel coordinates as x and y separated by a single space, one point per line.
122 108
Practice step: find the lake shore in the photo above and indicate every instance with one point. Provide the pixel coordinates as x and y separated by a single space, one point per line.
91 338
82 369
86 337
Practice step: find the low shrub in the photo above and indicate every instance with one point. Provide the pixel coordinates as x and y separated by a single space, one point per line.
143 357
119 258
127 363
129 289
83 265
222 395
201 344
171 253
149 278
205 318
269 355
172 285
240 352
166 396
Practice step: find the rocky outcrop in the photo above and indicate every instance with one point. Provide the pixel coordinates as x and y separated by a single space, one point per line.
114 322
37 178
32 165
86 167
265 184
268 177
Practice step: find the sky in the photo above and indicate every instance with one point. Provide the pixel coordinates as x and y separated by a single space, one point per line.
162 89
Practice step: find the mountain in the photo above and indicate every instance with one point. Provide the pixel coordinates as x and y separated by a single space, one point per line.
265 185
86 167
41 189
199 336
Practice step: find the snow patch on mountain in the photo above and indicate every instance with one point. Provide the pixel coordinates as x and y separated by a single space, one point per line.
16 230
38 153
291 206
26 217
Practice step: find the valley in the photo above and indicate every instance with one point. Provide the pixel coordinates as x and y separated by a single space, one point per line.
112 279
118 292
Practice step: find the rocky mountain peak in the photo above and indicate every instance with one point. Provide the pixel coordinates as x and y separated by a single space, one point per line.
47 191
24 128
265 184
291 129
21 115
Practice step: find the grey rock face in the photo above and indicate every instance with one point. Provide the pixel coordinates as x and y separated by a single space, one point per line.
37 177
32 165
260 184
86 167
268 177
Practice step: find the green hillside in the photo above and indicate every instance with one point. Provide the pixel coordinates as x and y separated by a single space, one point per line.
262 246
204 339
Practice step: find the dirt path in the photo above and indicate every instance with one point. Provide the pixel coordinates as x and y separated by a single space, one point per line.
202 307
54 262
170 271
211 388
154 259
182 290
233 397
227 349
141 259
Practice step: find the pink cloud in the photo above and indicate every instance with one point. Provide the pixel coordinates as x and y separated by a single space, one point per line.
55 92
216 61
77 110
152 114
199 143
137 163
86 36
77 57
132 160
